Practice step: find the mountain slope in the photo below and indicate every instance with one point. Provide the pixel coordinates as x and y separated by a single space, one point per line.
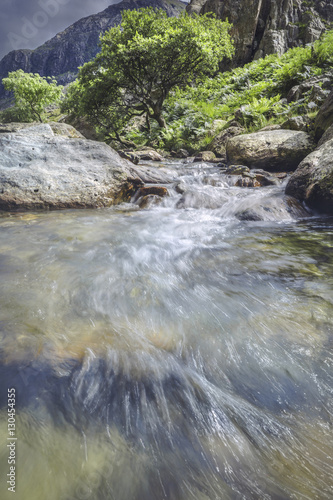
64 53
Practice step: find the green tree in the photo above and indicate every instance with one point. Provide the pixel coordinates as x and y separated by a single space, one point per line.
32 92
142 60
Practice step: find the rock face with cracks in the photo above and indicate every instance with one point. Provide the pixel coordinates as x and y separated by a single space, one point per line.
262 27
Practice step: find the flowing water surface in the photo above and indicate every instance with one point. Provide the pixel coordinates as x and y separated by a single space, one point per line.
181 351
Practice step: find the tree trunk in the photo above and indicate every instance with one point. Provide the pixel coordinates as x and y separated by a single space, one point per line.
157 115
160 120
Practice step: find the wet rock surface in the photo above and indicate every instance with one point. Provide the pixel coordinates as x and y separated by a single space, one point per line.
149 195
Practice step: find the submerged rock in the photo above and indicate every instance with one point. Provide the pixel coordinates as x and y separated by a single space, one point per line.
156 190
150 195
149 200
247 182
180 187
313 180
273 207
43 169
252 178
275 150
153 175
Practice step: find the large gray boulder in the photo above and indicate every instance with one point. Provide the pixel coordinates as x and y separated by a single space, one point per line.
274 150
43 168
313 180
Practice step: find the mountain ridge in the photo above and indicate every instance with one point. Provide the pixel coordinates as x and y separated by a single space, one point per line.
61 56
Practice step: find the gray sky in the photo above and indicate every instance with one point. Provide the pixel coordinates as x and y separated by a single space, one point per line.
30 23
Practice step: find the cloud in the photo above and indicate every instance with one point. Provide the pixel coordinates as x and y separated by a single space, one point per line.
26 24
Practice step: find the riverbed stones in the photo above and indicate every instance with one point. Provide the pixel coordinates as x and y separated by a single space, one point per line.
247 182
156 190
242 176
41 169
275 150
236 170
313 180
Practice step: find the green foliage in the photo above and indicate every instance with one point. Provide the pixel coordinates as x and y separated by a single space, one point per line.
32 94
254 93
95 98
141 61
15 114
323 50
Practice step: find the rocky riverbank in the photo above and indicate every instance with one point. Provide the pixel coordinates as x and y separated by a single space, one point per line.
52 166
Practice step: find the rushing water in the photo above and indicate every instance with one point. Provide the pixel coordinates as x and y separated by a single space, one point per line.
176 352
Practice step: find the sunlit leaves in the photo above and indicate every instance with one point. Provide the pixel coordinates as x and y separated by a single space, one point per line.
142 60
32 93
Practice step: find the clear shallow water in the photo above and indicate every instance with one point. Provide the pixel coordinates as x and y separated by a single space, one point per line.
175 352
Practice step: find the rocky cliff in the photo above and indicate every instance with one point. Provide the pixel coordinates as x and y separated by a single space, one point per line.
64 53
262 27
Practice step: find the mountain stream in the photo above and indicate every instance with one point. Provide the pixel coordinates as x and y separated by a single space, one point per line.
183 351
